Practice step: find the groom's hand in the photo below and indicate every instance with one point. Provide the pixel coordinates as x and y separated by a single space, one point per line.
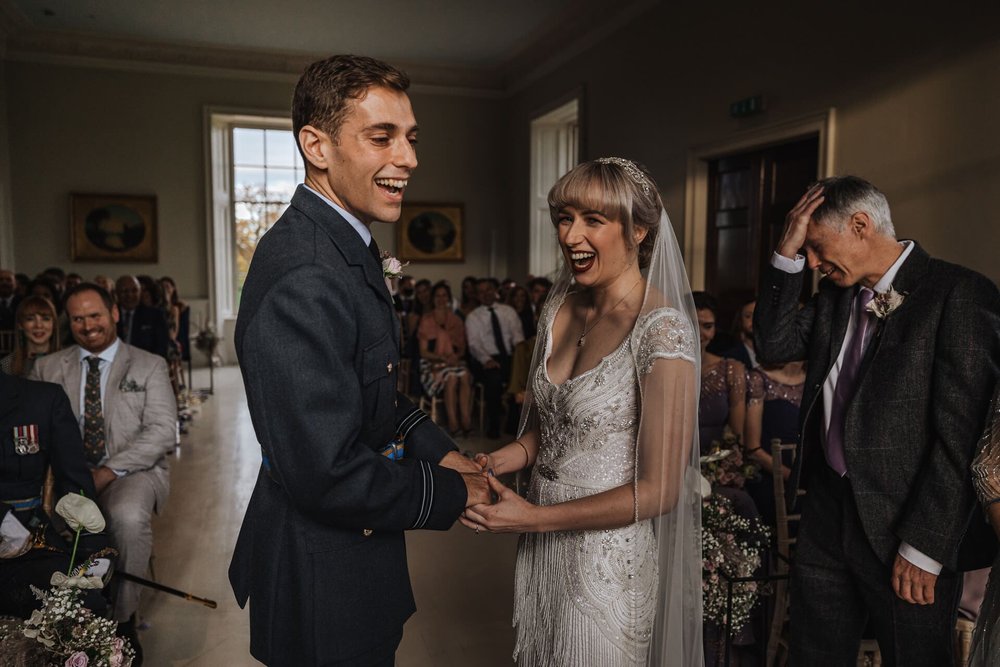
912 584
797 222
456 461
478 489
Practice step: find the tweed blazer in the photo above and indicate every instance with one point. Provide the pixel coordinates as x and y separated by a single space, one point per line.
922 399
321 554
140 411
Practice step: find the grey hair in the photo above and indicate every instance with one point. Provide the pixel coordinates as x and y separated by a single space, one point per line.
843 196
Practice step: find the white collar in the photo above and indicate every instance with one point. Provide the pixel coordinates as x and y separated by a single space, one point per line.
107 355
885 282
352 220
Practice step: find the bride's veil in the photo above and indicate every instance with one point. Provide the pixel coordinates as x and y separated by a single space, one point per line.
666 359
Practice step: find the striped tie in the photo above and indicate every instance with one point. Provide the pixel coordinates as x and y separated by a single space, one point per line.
93 415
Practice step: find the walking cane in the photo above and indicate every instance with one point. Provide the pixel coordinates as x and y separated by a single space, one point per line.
211 604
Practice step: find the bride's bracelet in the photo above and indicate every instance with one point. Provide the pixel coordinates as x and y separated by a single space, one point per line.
527 457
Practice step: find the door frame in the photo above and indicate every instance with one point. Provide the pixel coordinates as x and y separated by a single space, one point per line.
822 124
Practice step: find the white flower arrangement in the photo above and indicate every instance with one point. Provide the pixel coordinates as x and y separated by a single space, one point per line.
883 303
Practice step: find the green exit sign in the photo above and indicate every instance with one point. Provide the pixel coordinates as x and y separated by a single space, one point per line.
748 106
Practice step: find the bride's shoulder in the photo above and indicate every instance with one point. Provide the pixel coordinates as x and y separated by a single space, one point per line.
665 332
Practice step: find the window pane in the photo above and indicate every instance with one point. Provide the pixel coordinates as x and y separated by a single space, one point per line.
248 146
280 184
281 151
248 184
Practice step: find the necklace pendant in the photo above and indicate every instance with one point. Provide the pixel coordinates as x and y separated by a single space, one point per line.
579 342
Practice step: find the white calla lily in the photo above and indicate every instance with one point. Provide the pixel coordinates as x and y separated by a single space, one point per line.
80 512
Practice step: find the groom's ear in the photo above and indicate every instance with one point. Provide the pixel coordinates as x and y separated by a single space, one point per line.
312 140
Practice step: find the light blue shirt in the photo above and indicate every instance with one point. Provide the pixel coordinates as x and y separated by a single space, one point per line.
358 226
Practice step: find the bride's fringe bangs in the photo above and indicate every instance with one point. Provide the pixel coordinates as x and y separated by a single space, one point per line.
593 186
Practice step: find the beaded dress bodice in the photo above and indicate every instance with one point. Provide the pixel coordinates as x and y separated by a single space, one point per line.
588 597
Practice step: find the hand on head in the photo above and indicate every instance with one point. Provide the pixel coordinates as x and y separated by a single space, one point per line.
797 222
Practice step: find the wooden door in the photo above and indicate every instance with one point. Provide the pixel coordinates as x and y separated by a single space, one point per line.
749 195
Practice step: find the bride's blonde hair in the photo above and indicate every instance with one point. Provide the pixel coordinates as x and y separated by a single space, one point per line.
620 190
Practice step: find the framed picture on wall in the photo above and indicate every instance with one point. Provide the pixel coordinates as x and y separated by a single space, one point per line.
431 233
112 228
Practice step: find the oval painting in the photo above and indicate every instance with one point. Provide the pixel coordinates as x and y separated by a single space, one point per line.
115 228
431 232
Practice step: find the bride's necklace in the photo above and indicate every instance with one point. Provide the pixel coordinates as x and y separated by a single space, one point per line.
586 330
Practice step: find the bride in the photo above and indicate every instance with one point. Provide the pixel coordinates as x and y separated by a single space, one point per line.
608 567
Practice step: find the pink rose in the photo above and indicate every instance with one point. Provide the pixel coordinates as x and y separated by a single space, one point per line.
78 659
391 266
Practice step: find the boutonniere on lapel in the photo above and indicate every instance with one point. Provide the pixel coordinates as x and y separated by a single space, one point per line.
391 267
884 303
128 385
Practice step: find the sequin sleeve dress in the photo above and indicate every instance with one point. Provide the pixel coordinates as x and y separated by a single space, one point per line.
985 650
588 597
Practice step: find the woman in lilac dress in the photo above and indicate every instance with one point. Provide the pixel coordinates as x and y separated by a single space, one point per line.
723 383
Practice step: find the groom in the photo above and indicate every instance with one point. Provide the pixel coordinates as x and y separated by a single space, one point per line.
903 354
321 554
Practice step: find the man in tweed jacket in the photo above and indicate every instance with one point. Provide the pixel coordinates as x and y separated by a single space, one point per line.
885 453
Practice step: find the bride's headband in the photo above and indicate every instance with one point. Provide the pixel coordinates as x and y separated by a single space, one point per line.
631 169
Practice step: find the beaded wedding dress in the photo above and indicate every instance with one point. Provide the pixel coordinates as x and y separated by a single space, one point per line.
985 651
591 597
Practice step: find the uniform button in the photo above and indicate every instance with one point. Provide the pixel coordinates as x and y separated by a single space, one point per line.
388 367
367 532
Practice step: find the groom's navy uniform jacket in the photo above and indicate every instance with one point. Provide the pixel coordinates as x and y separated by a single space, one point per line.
922 400
321 553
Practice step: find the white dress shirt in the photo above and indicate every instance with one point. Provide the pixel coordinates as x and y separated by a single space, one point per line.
796 265
479 331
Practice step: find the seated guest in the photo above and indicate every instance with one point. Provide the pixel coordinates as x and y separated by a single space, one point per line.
8 299
442 360
23 280
403 299
179 328
723 382
124 401
108 284
45 286
538 291
140 325
517 299
774 394
36 334
744 351
40 431
493 330
469 299
72 280
420 306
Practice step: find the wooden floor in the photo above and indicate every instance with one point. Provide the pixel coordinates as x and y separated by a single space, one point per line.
463 582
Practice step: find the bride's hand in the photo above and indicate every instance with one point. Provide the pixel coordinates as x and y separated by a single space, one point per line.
484 461
509 514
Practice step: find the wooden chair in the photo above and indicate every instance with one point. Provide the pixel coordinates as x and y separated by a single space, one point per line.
963 640
777 644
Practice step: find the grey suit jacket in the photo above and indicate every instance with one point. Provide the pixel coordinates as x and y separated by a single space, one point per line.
140 411
321 554
922 400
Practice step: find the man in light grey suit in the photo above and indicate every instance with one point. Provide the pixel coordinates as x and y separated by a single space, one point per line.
122 397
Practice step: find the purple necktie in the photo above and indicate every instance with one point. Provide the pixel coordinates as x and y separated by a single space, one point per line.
847 382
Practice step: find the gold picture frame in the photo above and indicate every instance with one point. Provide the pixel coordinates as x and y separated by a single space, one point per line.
431 233
113 228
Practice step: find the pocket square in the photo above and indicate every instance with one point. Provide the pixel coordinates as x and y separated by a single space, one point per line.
130 385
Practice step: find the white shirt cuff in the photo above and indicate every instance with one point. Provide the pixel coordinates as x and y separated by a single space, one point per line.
925 563
119 473
782 263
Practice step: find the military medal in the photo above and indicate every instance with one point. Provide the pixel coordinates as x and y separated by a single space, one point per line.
26 439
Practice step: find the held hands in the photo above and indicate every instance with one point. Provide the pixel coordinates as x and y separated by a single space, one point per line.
910 583
510 513
797 222
476 486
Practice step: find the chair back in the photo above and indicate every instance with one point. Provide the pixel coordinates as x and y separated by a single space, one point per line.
777 644
6 341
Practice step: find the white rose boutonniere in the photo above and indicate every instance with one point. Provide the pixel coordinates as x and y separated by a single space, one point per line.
883 303
391 267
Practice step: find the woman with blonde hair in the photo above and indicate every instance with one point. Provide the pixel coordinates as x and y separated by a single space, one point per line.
609 565
36 334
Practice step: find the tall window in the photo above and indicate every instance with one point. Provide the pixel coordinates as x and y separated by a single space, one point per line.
266 169
555 149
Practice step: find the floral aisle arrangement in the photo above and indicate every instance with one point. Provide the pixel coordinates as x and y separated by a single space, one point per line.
732 547
724 464
65 633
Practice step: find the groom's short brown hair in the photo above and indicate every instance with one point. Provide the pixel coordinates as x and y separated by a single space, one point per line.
327 86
